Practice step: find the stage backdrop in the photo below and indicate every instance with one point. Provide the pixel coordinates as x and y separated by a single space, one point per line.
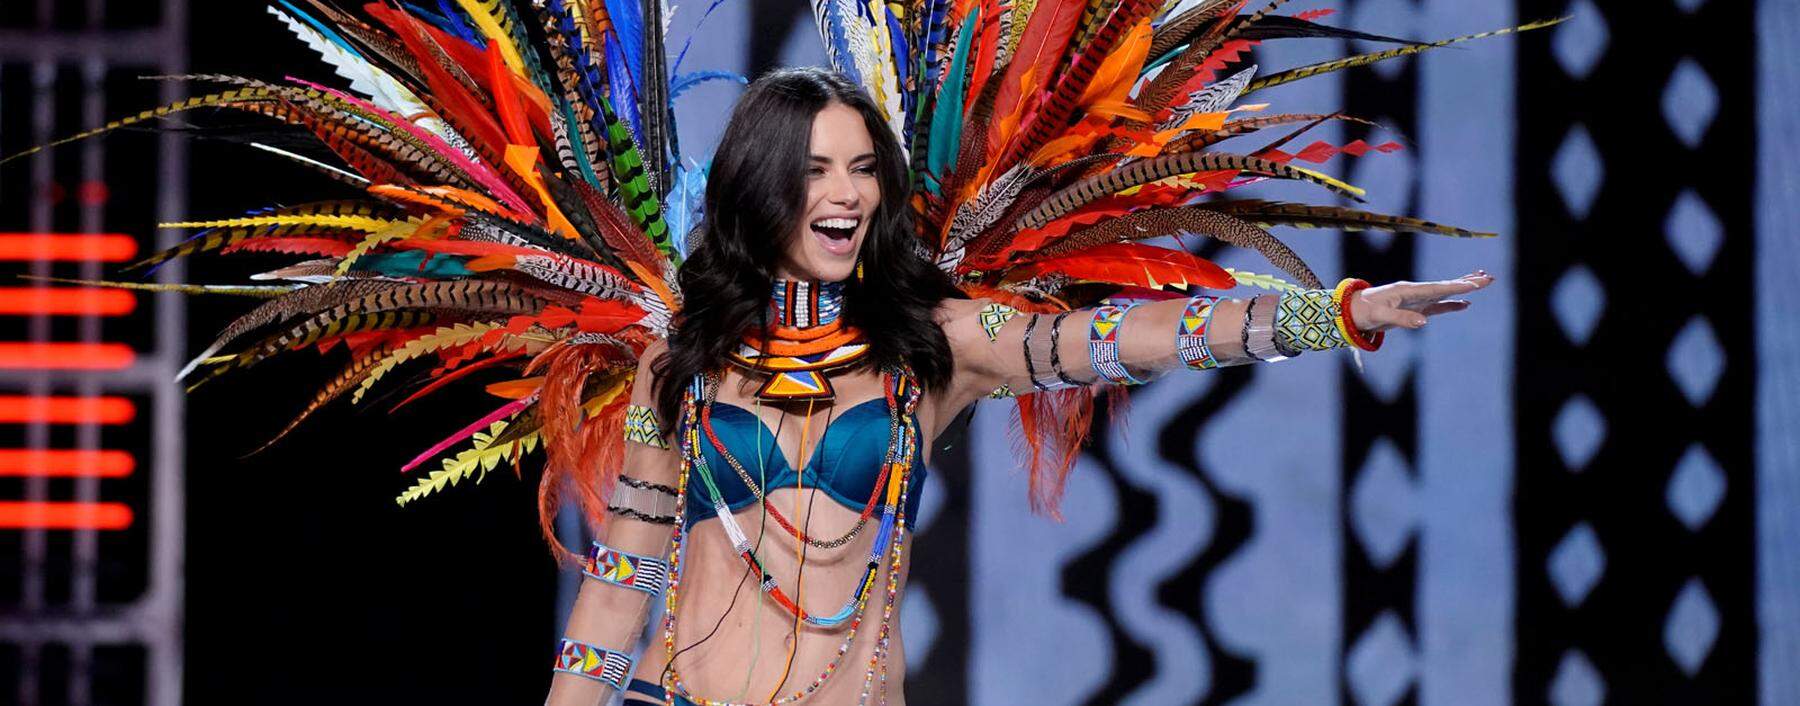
1579 492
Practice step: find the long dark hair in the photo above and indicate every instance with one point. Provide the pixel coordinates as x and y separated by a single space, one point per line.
755 201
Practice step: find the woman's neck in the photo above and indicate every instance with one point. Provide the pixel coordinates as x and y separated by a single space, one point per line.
804 304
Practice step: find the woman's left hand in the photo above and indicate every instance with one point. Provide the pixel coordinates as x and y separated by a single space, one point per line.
1411 304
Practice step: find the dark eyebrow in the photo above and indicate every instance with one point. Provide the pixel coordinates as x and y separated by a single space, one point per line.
857 158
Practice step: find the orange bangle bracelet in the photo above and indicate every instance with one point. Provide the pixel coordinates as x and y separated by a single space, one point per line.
1347 322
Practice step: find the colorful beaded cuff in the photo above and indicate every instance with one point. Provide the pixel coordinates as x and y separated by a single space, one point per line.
1190 334
641 426
1307 320
1103 345
633 571
609 667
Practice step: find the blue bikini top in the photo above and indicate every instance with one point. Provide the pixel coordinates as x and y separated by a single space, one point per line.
845 463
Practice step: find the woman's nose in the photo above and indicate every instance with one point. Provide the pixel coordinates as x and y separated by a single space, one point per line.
842 190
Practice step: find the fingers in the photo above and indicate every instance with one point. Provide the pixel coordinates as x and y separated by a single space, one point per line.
1445 307
1450 288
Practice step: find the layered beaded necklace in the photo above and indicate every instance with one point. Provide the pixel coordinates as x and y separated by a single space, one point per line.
807 341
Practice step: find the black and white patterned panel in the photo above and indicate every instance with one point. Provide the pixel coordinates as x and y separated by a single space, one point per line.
1381 660
1634 507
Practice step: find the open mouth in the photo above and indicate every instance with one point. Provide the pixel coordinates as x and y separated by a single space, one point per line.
835 234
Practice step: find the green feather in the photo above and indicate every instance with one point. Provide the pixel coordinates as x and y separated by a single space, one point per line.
634 188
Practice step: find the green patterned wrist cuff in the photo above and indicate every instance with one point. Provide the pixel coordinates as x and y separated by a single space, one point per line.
1306 320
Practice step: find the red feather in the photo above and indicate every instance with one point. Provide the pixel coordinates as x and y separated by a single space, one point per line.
293 246
1129 264
1041 49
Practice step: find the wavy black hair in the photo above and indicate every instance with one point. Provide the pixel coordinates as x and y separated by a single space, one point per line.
755 201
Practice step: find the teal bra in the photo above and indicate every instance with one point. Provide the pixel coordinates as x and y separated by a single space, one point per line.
845 463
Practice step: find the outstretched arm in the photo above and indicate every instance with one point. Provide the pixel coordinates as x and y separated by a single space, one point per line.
622 572
1001 349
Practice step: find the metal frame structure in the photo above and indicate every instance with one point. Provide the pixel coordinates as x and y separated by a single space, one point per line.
153 620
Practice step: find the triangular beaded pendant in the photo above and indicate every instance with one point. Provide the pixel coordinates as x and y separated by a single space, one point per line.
796 386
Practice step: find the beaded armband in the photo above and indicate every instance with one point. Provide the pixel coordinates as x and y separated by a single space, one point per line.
609 667
1190 334
641 426
643 500
1103 345
1307 320
624 569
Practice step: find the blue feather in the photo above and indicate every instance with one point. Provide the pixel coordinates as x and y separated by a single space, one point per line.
690 40
837 42
946 117
589 82
687 203
628 25
689 80
623 88
902 75
450 21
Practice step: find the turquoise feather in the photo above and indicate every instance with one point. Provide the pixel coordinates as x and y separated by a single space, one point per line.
946 116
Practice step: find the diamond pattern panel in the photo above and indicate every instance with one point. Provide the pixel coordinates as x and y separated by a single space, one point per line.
1381 665
1696 361
1695 488
1577 171
1579 43
1576 683
1381 503
1692 627
1577 302
1690 102
1694 232
1578 431
1576 564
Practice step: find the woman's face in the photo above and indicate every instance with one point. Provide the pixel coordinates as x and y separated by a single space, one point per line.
841 195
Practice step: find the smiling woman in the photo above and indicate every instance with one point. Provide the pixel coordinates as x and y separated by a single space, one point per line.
956 211
817 354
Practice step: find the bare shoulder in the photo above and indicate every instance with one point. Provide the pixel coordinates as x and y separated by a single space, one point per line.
950 310
961 320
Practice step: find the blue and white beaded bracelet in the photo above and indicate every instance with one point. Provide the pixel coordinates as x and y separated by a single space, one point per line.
1190 334
1103 345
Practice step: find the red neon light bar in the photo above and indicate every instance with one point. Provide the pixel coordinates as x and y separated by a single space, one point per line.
66 356
70 301
21 409
103 247
54 515
65 463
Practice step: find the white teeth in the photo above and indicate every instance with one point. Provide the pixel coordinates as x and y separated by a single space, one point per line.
837 223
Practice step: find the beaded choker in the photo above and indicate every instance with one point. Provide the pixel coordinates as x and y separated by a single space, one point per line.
806 341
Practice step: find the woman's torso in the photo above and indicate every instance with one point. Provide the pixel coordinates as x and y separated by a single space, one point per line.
843 444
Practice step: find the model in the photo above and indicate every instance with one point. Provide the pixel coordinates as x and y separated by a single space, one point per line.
958 211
